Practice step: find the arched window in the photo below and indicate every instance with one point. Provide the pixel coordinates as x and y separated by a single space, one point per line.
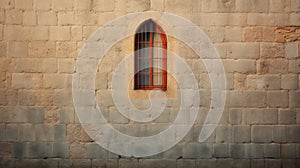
150 46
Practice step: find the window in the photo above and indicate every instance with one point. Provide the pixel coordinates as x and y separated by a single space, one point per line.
150 58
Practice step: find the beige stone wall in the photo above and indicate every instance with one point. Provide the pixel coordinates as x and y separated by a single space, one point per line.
258 41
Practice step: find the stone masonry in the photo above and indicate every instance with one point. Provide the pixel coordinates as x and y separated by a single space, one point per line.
259 45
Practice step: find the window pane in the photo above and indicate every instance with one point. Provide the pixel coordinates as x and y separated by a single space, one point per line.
144 79
157 79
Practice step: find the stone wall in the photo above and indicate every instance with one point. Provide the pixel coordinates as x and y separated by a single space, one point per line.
258 41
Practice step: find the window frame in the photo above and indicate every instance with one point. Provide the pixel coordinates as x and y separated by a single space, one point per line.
149 24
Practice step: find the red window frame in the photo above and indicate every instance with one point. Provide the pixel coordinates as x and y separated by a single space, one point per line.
144 35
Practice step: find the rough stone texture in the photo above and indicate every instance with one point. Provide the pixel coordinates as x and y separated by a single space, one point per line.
257 40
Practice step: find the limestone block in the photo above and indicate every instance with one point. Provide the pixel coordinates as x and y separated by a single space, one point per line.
272 150
287 116
243 6
233 34
277 5
3 49
58 5
38 149
223 134
42 4
156 163
294 19
17 49
27 97
241 133
243 51
42 49
39 33
272 50
29 65
29 18
78 151
209 5
277 98
240 66
288 151
23 4
260 6
58 33
291 50
237 19
289 81
191 151
177 6
105 163
14 17
66 49
221 150
60 150
294 66
25 133
294 98
11 132
95 151
103 5
295 6
272 66
255 99
55 81
50 65
63 98
293 133
82 4
252 34
254 151
182 163
67 115
47 18
261 133
76 33
137 5
66 18
279 134
7 4
262 82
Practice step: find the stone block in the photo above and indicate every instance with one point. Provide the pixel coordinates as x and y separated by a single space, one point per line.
252 34
82 4
14 17
272 151
260 19
277 6
291 50
44 132
237 19
29 18
23 4
277 98
39 150
76 33
294 19
96 163
58 33
128 163
3 49
67 115
66 65
221 150
78 151
263 82
254 151
177 6
243 6
251 116
27 97
42 4
272 50
261 133
294 98
22 81
287 116
209 5
17 49
294 66
42 49
47 18
240 66
196 150
60 150
173 153
34 114
241 133
54 81
26 132
235 99
289 81
16 32
156 163
29 65
272 66
66 49
233 34
63 98
293 133
7 4
223 134
60 133
138 6
254 99
58 5
19 150
158 5
95 151
268 116
104 6
243 51
288 151
36 163
66 18
237 150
